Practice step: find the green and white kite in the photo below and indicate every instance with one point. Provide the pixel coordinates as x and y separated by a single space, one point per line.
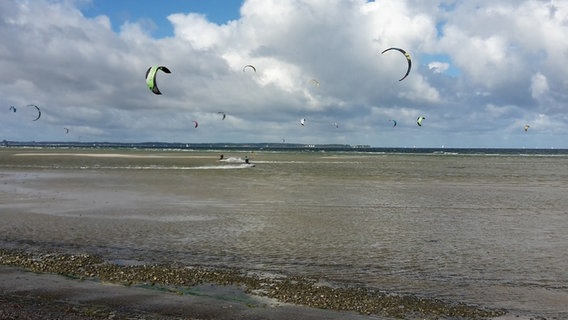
151 77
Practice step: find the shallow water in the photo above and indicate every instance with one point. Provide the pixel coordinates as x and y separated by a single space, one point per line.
483 229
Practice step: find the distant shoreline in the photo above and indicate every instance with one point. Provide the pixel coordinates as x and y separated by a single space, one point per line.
270 146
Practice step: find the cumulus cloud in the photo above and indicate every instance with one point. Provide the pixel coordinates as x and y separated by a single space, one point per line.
87 76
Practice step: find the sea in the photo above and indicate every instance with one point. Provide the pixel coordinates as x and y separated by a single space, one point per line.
481 226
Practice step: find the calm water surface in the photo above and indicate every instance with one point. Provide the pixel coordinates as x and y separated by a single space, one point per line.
485 229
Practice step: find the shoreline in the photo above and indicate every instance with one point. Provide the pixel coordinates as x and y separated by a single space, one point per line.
249 295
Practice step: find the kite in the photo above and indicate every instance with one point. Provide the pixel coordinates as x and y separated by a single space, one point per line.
195 124
393 123
303 121
315 82
38 111
419 120
223 113
249 66
12 108
527 127
66 130
407 58
151 77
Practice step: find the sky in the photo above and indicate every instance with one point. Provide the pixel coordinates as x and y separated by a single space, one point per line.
481 71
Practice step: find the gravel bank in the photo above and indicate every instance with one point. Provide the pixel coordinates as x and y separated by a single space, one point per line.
181 280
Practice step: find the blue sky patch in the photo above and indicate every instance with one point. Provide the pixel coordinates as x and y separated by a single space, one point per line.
145 12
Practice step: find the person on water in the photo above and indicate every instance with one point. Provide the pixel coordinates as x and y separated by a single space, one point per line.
247 160
221 156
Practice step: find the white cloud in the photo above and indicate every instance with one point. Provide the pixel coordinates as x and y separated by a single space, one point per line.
539 85
438 67
195 29
85 75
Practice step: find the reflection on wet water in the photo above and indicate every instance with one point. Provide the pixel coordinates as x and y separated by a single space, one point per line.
481 229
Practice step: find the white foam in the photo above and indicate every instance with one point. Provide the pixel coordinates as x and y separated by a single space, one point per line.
228 166
233 160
